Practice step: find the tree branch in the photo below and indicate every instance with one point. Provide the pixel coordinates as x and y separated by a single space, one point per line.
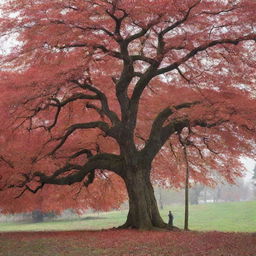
179 22
97 109
99 162
166 113
161 43
86 152
118 22
155 63
59 104
159 133
95 47
27 188
143 58
204 47
103 99
98 124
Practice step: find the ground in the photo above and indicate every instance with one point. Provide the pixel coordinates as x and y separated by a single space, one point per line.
127 243
232 217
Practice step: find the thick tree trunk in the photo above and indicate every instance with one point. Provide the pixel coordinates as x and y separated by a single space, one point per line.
143 211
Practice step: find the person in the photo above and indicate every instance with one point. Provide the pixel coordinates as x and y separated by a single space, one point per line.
170 223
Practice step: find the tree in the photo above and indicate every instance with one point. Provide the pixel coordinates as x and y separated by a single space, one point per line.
110 86
254 181
254 174
195 193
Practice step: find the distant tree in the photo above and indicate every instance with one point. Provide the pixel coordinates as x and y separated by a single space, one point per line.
239 191
159 195
194 193
254 174
99 92
254 181
37 216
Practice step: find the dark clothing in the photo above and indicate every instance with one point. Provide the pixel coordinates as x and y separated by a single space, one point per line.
170 223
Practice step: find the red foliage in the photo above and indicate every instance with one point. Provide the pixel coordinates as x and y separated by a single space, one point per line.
80 62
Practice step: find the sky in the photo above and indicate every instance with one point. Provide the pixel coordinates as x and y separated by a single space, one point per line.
249 164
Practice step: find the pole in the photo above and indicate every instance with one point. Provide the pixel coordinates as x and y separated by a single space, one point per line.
186 217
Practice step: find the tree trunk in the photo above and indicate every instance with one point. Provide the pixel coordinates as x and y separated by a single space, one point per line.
186 215
143 211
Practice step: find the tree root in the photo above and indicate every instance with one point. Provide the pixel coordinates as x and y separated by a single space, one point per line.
155 228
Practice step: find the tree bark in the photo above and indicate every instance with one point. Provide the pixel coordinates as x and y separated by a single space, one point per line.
143 210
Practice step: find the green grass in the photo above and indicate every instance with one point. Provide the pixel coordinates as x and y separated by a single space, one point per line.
233 217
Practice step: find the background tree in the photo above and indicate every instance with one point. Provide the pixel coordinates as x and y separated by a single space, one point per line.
254 174
98 86
254 181
195 193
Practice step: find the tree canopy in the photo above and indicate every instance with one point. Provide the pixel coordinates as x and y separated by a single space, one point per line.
122 86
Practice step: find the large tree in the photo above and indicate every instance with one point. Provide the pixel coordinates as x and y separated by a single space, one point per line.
122 86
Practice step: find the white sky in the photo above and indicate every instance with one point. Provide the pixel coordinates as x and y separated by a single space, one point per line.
249 164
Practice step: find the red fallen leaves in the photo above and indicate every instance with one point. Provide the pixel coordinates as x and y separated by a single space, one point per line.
133 243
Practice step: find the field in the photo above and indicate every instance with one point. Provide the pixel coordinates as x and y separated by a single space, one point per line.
227 217
222 217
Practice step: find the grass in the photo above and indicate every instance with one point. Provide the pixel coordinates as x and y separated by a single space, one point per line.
231 217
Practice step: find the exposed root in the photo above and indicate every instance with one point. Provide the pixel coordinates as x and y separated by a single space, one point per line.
164 227
174 228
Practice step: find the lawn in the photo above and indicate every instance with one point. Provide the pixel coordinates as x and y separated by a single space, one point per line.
127 243
231 217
